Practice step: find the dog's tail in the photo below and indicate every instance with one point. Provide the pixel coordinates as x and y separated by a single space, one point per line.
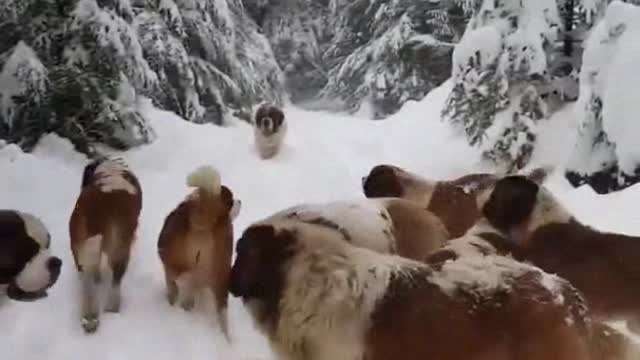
207 179
608 343
91 254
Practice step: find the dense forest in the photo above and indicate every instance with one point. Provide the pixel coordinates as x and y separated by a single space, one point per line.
84 69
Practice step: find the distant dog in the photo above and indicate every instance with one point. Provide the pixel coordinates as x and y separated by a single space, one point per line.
385 225
196 243
604 266
27 268
270 129
102 229
317 297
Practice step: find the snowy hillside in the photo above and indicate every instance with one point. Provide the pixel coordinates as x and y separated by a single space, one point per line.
322 161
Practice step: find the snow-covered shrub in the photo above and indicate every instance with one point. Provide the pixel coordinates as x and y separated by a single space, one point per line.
607 155
388 52
500 74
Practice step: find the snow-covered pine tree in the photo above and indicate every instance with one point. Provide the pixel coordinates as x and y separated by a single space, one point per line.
202 59
606 155
500 77
299 32
387 52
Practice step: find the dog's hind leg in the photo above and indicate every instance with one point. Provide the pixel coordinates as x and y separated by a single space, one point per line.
89 265
90 303
119 263
172 287
187 290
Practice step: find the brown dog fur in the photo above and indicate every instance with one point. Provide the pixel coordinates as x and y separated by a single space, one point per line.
196 243
454 201
104 223
317 297
384 225
604 266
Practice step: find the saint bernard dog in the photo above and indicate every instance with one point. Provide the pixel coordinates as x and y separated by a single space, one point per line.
385 225
27 267
102 229
454 202
196 243
604 266
318 297
269 130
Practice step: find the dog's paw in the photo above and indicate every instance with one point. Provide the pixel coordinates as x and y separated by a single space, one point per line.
90 324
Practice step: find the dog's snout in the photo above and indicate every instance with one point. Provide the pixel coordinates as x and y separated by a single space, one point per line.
54 264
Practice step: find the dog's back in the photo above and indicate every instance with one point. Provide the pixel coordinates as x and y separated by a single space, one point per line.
103 226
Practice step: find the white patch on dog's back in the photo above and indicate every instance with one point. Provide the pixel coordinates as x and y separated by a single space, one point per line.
488 274
35 229
366 223
109 177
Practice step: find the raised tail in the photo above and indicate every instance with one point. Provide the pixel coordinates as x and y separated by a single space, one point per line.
205 178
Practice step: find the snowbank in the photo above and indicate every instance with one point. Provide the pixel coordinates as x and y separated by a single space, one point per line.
324 159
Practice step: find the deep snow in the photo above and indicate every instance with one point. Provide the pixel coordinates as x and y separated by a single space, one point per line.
324 159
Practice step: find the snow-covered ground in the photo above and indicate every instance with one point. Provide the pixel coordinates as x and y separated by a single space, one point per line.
325 157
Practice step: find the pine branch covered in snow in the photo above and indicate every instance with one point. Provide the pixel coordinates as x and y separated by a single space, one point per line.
203 59
387 52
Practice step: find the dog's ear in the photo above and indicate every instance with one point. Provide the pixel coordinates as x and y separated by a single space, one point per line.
261 253
226 195
278 117
15 253
382 181
511 202
88 172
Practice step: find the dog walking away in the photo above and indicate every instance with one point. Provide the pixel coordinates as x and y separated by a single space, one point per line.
453 201
604 266
102 229
270 129
317 297
196 243
27 268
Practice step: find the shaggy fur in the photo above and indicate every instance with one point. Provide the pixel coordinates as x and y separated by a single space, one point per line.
384 225
604 266
270 129
196 243
102 230
317 297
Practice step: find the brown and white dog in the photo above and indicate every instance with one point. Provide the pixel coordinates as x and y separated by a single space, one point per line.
385 225
27 267
454 201
102 230
196 243
269 131
605 342
317 297
604 266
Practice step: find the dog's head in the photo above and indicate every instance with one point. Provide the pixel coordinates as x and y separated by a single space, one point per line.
517 205
27 267
269 119
262 255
